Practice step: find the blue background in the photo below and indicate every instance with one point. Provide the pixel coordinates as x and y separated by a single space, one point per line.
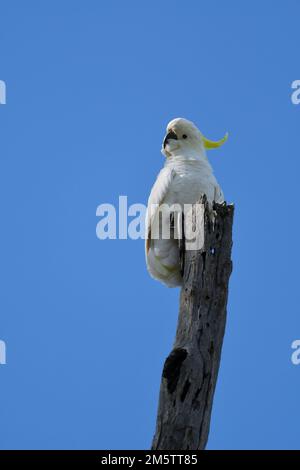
91 86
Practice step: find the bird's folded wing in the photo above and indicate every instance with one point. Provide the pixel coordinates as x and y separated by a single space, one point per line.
218 196
156 198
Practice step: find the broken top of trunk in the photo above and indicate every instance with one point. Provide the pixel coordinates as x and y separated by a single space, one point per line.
190 371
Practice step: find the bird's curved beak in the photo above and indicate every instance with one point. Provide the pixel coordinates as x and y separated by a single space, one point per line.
170 135
211 144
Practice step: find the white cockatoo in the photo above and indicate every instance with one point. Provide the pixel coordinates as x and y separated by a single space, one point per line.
185 177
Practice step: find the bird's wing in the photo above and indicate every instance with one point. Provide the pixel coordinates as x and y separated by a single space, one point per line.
157 196
218 196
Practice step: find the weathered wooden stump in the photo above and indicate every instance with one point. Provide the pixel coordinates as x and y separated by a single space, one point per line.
190 371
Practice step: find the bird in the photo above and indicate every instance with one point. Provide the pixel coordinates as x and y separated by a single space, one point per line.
185 177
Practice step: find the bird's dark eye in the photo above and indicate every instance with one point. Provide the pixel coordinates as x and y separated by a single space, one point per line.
184 136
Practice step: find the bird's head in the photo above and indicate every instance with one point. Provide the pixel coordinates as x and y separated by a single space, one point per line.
184 136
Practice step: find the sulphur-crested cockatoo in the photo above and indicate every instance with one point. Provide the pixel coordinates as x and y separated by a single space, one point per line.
185 177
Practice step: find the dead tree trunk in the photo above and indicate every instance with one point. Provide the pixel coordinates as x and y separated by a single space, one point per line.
190 371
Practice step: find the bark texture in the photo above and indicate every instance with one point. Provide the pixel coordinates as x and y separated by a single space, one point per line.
190 371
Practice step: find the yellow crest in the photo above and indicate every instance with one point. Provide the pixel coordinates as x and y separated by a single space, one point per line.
211 144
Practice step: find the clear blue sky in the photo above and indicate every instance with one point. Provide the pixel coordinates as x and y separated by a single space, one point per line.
91 86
